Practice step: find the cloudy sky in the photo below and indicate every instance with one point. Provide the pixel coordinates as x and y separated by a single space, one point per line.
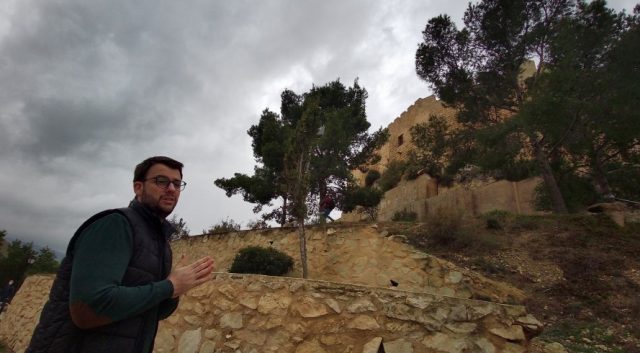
90 88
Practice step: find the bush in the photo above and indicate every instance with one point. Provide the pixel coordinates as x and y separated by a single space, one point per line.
258 224
263 261
404 216
392 176
444 228
371 177
225 226
495 219
367 197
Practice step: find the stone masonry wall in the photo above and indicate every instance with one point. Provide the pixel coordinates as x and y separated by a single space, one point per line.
423 196
357 254
251 314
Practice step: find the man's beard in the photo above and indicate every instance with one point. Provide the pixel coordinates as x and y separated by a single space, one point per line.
154 205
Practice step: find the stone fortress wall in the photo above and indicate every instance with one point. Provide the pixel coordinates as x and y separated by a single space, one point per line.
423 195
346 305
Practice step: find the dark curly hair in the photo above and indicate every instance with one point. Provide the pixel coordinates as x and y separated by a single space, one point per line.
141 170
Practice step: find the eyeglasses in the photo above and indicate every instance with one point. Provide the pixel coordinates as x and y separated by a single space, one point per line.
163 182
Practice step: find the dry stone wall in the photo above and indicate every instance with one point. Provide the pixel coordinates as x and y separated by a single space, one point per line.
251 313
357 254
423 196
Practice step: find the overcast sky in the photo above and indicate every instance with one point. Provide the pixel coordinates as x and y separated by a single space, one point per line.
88 89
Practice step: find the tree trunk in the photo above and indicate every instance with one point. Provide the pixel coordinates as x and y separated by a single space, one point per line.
303 248
557 201
600 179
284 211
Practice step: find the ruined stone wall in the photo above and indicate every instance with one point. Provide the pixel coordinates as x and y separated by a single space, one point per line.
251 313
399 143
423 196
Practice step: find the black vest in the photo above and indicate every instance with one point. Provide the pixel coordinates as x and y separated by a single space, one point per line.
150 262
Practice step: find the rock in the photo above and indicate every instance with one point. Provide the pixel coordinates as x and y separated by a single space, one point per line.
554 347
308 307
419 302
529 320
295 286
372 346
190 341
213 334
310 347
165 342
248 301
363 322
331 231
446 343
453 277
231 320
512 333
334 305
193 320
513 348
485 346
228 291
459 313
408 313
462 328
398 346
235 344
398 238
254 337
208 347
361 305
270 301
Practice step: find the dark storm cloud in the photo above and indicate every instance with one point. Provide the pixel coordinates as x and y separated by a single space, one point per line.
90 88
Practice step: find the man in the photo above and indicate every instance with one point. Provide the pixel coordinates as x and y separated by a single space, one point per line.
115 282
7 294
326 206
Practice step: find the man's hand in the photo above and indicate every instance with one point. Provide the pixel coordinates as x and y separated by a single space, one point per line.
184 278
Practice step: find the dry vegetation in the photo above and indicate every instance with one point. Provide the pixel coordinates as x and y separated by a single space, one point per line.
581 272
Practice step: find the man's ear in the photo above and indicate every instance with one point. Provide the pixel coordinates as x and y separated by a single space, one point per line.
138 186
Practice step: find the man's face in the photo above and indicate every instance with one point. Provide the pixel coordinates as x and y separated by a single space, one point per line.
160 200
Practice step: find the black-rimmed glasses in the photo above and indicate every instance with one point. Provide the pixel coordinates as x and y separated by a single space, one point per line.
163 182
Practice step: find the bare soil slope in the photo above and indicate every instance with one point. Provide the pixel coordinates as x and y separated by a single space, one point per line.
581 273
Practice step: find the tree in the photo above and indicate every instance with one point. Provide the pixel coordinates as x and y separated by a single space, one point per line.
368 197
44 262
310 147
478 70
269 138
576 112
587 98
182 231
22 260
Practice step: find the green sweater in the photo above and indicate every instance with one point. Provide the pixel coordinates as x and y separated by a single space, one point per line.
101 255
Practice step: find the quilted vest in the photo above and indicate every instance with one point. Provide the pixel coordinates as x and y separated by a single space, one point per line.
150 262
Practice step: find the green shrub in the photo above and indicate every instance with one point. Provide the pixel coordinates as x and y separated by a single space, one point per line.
444 227
371 177
224 226
259 260
495 219
404 216
392 175
445 230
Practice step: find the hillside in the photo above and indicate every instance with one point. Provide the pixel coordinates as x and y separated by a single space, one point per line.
581 273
